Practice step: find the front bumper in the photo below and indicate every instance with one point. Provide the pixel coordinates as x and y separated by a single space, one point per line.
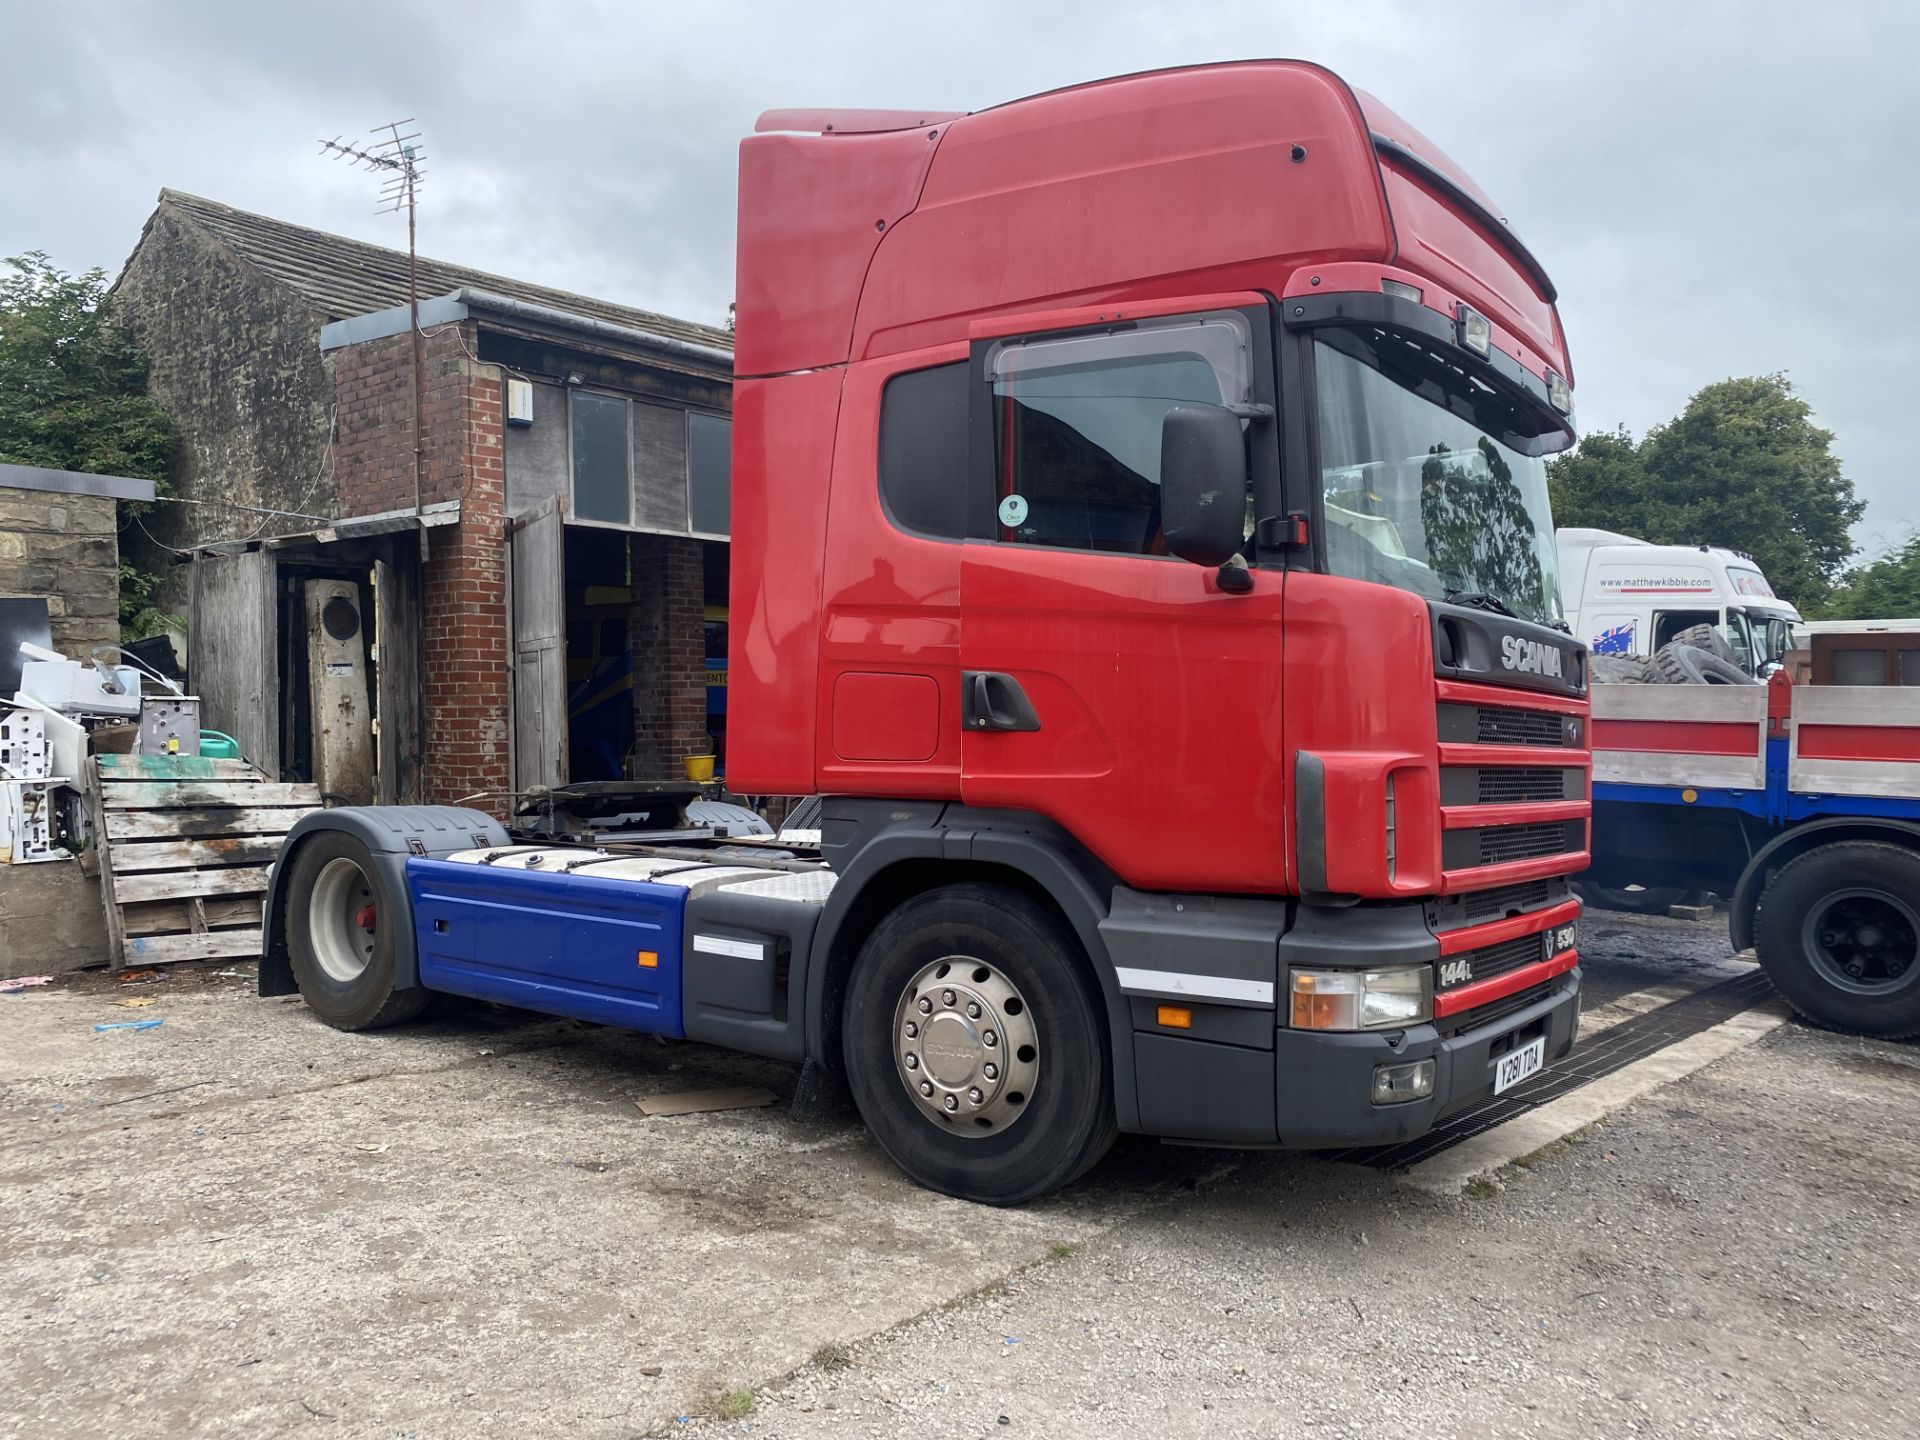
1323 1083
1314 1089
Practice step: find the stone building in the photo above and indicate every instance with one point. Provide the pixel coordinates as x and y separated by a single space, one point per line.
59 561
570 451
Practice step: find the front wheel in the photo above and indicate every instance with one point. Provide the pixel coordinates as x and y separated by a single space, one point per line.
1838 933
976 1048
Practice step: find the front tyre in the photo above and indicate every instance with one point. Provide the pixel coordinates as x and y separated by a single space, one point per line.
976 1047
1838 933
341 922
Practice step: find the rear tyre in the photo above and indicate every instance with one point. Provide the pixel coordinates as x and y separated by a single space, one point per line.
1838 932
341 921
976 1046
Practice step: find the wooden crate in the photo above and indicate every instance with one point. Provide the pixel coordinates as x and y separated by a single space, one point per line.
184 845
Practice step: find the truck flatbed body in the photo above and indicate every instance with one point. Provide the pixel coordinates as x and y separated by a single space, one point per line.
1800 805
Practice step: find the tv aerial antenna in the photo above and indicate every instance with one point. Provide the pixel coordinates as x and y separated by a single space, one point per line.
397 156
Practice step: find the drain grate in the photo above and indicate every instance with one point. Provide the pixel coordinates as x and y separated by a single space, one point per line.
1612 1049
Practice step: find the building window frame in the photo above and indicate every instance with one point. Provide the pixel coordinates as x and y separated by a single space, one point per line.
573 515
725 418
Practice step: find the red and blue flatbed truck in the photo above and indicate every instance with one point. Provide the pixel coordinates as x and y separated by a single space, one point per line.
1141 540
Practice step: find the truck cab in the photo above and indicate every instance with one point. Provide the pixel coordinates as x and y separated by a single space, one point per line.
1629 597
1140 505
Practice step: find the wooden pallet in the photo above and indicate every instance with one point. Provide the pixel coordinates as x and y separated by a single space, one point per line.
184 845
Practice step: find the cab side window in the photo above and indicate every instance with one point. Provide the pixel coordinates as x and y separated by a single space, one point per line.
923 450
1076 426
1669 623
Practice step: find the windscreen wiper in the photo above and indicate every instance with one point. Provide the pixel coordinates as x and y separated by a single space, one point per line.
1480 600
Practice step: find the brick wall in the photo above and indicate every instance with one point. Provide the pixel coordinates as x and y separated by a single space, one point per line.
373 451
464 622
63 548
669 648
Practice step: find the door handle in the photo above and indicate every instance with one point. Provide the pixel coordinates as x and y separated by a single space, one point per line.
992 700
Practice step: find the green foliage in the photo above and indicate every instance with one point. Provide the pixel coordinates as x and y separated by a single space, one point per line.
73 395
139 616
1743 466
1886 589
1479 530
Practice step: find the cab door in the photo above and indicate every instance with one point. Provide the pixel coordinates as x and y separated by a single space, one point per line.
1107 684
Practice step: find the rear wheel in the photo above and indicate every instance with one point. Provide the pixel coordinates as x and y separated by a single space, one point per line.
1838 933
341 921
976 1047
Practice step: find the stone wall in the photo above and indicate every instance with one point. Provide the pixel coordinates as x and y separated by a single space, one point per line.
236 361
63 547
52 919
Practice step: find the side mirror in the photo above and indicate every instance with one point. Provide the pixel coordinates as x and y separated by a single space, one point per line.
1203 483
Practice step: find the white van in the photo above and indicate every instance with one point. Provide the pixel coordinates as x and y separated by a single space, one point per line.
1627 597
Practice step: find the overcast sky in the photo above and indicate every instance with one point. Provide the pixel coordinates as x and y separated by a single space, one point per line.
1717 189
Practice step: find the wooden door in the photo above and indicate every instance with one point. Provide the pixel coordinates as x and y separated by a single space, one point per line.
537 564
233 661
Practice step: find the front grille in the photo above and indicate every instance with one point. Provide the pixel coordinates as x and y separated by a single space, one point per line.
1502 843
1495 1010
1508 787
1508 900
1463 724
1520 727
1502 902
1491 960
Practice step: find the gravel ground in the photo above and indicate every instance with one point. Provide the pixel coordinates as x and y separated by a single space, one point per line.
1737 1256
243 1223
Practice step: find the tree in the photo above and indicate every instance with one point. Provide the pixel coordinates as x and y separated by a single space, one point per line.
73 393
1601 484
1743 466
1886 589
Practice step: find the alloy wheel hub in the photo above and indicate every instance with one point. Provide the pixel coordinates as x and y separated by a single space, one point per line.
965 1046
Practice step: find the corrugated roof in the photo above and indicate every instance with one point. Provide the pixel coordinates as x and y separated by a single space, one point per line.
343 278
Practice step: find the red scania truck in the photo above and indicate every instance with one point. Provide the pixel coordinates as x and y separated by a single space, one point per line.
1141 540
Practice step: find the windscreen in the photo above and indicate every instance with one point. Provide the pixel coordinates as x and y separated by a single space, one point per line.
1433 480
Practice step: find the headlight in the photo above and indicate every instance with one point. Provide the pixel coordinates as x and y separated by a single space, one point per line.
1361 999
1473 330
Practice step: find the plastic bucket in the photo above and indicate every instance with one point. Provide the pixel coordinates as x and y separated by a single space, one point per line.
216 746
699 768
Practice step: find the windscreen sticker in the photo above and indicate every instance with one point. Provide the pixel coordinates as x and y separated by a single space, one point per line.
1013 511
1616 641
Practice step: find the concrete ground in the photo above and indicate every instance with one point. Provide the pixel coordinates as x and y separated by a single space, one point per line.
243 1223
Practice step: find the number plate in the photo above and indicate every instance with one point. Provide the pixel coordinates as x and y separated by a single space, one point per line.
1510 1069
